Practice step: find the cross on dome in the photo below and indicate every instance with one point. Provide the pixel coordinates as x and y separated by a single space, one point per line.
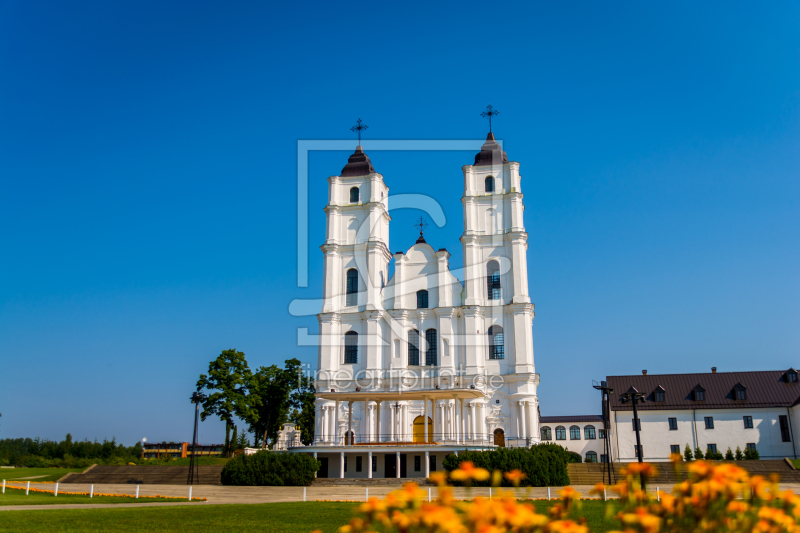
359 127
489 113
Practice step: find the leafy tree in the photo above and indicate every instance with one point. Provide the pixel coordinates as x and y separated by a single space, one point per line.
739 456
304 407
687 453
229 377
729 454
698 453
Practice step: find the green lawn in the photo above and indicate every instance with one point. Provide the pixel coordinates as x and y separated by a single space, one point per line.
265 518
17 497
185 461
50 474
796 463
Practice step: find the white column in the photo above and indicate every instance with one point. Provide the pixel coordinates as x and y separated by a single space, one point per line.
472 420
434 419
391 421
336 423
427 465
369 465
514 421
315 456
350 422
397 464
524 434
331 424
461 420
425 417
365 427
404 422
482 422
378 420
341 465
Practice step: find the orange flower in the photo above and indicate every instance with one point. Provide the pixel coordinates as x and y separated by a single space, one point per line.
468 471
515 477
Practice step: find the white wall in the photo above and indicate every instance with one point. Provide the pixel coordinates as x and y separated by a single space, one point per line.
582 445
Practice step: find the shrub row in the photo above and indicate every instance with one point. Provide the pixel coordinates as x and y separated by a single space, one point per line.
543 464
266 468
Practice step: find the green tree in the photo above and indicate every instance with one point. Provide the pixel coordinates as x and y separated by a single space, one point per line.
687 453
698 453
729 454
228 377
739 456
242 442
304 407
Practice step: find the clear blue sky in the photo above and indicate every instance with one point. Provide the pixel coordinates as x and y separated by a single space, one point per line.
148 197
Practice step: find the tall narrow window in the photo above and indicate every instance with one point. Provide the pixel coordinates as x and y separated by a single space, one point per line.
352 287
574 433
413 348
673 424
351 348
588 433
489 184
493 280
709 422
430 348
748 422
354 195
784 423
496 343
561 433
546 433
422 299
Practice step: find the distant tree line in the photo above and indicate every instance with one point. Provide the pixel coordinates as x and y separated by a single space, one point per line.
38 452
264 399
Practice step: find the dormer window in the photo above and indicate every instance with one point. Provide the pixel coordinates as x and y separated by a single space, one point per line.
659 395
739 392
790 376
698 394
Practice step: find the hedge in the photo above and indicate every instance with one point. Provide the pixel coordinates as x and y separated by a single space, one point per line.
544 465
266 468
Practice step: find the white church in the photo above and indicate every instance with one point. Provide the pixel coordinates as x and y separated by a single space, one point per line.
419 366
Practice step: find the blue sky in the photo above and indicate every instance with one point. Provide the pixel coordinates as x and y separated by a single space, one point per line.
148 185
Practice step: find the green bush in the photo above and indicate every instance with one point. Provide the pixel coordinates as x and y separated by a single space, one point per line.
543 464
266 468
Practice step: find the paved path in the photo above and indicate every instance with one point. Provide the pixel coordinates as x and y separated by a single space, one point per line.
217 494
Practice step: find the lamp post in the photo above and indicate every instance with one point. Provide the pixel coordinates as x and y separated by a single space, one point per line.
197 398
634 396
606 393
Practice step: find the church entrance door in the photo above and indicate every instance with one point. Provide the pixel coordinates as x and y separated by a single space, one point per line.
419 429
499 438
391 465
323 469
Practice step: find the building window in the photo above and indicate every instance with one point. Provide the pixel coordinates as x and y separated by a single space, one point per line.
711 448
791 377
748 422
574 433
430 349
709 422
413 348
675 448
659 396
546 433
673 424
741 395
638 451
493 280
588 433
561 433
496 343
352 287
359 460
422 299
603 458
636 424
351 348
417 463
345 463
591 457
354 195
433 463
374 463
489 184
698 395
601 433
751 446
784 423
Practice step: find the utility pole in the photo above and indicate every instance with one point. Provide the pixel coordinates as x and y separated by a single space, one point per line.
197 398
605 393
634 396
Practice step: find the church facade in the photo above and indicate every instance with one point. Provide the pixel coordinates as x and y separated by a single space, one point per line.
421 365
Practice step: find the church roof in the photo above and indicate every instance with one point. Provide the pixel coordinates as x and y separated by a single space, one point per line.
358 164
491 153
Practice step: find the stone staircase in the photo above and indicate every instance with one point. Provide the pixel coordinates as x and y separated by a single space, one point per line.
145 475
374 482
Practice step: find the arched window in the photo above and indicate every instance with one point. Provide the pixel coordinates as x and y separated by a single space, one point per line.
352 287
588 432
546 433
574 433
493 280
496 346
351 348
413 348
354 195
591 457
489 184
430 348
561 433
422 299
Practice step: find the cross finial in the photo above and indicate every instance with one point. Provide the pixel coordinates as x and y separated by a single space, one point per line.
359 127
421 224
489 113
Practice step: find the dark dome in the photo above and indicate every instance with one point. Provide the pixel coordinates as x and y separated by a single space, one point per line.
358 164
490 153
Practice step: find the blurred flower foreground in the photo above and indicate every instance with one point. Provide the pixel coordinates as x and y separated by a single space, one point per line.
719 497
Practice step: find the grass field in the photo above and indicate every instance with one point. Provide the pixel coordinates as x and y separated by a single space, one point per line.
17 497
265 518
199 461
50 474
